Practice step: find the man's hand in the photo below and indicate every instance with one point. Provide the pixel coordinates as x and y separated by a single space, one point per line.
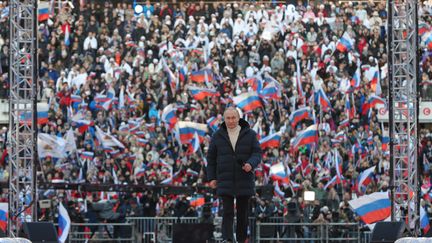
247 167
213 184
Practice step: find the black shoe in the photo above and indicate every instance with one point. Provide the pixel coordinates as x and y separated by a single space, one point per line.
227 241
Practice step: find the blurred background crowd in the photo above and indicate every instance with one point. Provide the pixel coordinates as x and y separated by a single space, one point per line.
123 91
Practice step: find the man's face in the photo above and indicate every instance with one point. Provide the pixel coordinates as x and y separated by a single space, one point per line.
231 118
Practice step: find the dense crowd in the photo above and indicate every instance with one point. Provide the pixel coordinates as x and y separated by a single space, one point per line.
107 76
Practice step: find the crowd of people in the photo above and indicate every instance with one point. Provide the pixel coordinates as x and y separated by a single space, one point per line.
109 78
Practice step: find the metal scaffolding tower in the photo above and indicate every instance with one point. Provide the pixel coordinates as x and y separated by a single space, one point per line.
22 114
403 109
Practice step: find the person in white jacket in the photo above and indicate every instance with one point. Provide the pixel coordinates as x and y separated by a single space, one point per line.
90 43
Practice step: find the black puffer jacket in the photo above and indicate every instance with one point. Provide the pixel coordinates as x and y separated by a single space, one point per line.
225 164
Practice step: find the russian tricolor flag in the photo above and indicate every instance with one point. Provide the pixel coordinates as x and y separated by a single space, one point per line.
201 76
271 91
169 115
278 191
64 223
271 141
375 100
173 80
197 201
186 130
424 220
278 173
344 123
349 108
373 207
182 74
66 30
42 114
345 43
322 100
213 123
299 115
87 155
76 99
3 216
43 11
255 83
307 136
334 181
248 101
83 125
142 142
200 93
355 81
365 178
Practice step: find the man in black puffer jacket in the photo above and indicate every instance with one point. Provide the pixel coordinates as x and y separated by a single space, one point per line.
233 154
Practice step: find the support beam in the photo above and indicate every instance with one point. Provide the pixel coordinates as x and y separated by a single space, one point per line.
22 114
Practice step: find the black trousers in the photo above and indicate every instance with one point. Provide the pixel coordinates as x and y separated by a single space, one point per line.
242 213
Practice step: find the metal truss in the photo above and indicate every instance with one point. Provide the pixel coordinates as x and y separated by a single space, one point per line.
403 109
22 114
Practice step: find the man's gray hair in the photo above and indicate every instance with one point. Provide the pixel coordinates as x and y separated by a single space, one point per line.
232 108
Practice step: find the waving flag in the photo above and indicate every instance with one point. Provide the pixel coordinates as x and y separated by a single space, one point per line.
83 125
195 143
255 83
66 30
86 155
278 191
322 100
349 108
345 43
50 145
169 115
278 173
371 73
338 164
334 181
213 123
200 93
375 100
64 223
70 145
173 80
426 39
271 141
365 178
355 81
299 115
106 139
43 11
373 207
271 91
299 85
307 136
202 76
186 130
3 216
424 220
247 101
197 201
103 102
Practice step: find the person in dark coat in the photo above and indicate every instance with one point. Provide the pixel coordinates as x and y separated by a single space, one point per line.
233 154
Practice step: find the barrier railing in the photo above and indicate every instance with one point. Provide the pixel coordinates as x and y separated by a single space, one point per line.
150 229
94 232
307 232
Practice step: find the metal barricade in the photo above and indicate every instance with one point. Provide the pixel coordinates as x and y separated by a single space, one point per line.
157 229
93 232
306 232
151 230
